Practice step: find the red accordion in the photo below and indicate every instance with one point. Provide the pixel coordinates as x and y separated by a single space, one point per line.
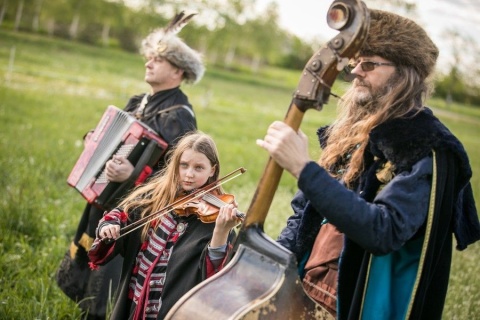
117 133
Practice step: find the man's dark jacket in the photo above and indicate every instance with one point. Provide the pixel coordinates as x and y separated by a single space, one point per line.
403 142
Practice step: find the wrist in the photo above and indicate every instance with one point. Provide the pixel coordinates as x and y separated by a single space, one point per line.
297 170
219 238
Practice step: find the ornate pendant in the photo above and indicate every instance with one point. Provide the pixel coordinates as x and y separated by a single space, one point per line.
181 227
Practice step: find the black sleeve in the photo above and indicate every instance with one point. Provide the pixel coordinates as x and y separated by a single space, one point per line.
172 125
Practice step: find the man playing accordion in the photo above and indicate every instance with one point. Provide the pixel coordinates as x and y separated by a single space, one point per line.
166 110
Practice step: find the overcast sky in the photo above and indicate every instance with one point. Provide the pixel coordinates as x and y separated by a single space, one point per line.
307 19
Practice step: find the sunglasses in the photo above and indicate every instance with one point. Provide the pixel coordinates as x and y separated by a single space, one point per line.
369 65
366 66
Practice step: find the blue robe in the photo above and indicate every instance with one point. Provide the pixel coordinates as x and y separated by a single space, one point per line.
397 239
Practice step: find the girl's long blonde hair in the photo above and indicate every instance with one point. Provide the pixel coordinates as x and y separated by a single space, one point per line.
404 93
162 190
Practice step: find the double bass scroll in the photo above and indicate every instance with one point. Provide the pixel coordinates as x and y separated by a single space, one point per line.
260 280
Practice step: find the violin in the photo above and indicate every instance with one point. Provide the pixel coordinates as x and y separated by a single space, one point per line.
206 207
202 202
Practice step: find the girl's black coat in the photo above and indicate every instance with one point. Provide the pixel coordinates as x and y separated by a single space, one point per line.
185 268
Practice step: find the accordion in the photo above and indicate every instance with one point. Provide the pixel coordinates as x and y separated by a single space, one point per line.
117 133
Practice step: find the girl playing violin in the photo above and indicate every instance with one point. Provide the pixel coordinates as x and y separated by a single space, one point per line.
174 252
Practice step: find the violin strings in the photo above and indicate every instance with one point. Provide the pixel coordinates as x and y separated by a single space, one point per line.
214 200
219 203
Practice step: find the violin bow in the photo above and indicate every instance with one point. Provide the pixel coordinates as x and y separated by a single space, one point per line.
193 196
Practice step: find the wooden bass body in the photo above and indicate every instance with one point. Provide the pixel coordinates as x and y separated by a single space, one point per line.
261 276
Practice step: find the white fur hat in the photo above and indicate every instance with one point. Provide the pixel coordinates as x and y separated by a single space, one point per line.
164 43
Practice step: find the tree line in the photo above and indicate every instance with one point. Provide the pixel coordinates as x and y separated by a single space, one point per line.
227 32
230 33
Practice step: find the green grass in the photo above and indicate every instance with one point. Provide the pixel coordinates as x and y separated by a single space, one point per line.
57 90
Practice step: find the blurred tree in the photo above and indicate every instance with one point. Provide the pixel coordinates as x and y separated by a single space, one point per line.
36 15
298 53
54 16
265 42
18 16
229 33
3 9
461 83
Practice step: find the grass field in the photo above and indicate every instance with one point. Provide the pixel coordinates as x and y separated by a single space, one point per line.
52 92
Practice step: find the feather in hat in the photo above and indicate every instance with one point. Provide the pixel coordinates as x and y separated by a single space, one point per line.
165 43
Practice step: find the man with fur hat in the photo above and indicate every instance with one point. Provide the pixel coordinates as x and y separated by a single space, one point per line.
165 109
373 219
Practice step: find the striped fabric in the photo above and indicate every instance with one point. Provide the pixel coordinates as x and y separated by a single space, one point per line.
148 276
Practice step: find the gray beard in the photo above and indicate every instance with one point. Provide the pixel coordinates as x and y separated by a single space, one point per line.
369 99
365 100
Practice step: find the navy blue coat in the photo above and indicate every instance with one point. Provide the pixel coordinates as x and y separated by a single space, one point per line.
380 219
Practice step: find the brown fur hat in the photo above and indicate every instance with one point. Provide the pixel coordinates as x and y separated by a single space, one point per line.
401 41
165 43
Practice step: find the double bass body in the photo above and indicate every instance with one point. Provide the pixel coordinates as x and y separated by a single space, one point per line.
260 280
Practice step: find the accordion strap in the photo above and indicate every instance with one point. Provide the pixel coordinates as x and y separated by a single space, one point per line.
176 107
143 103
139 113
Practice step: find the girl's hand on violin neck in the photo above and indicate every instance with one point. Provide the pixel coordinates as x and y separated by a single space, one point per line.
109 231
227 219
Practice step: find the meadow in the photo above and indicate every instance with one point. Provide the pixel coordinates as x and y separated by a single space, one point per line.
53 91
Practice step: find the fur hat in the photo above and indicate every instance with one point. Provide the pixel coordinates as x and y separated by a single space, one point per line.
164 43
401 41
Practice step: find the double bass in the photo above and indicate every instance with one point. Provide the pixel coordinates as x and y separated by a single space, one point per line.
260 280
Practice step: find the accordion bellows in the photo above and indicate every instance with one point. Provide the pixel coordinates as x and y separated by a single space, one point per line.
117 133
